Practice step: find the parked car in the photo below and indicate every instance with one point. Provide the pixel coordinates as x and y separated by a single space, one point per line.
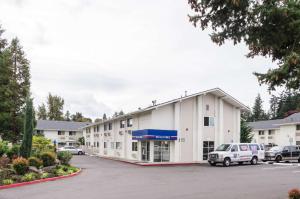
236 152
72 149
272 153
287 153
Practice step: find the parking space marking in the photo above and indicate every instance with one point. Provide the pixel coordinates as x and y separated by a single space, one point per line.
296 171
280 167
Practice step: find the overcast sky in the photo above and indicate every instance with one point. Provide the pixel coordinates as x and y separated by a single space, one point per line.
104 56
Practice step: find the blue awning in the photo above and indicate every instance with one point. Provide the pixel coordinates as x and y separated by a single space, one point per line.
154 134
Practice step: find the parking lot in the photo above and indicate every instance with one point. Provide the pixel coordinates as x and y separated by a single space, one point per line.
108 179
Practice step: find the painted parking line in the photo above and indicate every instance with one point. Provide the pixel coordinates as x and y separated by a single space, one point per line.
296 171
281 167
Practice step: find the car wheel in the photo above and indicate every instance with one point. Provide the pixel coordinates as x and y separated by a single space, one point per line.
212 164
226 162
80 153
278 159
254 161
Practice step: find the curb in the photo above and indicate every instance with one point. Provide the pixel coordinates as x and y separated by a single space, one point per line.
38 181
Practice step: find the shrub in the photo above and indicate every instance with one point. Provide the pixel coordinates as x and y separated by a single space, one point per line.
13 152
294 194
60 172
3 147
35 162
20 165
7 181
4 161
64 157
6 173
45 175
48 159
40 144
29 177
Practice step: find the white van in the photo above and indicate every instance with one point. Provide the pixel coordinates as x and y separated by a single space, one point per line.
237 152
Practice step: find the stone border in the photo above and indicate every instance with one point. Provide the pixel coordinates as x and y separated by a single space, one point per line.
39 181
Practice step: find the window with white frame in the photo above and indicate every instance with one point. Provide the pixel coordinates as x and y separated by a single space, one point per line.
261 132
109 126
118 145
72 133
129 122
112 145
105 127
61 133
122 124
104 145
134 146
209 121
298 127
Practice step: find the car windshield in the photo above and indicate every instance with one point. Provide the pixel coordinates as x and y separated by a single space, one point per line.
275 148
223 147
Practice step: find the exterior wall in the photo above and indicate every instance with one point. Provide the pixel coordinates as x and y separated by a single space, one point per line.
186 116
54 137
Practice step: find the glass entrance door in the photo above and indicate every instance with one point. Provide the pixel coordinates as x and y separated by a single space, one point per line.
161 151
145 150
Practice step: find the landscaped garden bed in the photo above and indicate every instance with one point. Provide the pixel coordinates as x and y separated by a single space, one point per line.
44 163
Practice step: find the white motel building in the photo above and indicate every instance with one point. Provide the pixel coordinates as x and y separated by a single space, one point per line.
280 132
182 130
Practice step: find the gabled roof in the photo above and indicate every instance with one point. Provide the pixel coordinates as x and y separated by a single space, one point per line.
60 125
215 91
275 124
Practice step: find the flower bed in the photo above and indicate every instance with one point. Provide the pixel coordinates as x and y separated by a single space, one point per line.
45 164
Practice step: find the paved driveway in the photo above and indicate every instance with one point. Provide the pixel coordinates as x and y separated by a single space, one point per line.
107 179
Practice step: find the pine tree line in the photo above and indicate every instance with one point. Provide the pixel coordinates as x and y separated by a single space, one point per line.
283 105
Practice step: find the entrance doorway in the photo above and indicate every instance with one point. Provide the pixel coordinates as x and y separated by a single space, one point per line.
208 146
145 150
161 151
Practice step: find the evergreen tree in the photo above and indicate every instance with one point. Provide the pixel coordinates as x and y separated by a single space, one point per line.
55 107
104 116
273 107
246 135
26 145
78 117
42 112
68 116
121 112
268 28
98 120
257 111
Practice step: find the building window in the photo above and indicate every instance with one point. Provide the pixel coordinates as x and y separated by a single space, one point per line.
118 145
97 144
261 132
134 146
208 146
105 127
105 145
209 121
122 124
61 133
129 122
71 133
88 130
97 128
109 126
271 132
112 145
94 144
298 127
207 107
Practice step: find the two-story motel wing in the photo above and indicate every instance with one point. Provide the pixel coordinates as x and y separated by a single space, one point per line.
181 130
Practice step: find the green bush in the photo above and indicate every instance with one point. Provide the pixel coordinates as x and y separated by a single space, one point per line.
35 162
48 159
13 152
40 144
45 175
60 172
64 157
29 177
294 194
6 173
3 147
20 165
7 181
